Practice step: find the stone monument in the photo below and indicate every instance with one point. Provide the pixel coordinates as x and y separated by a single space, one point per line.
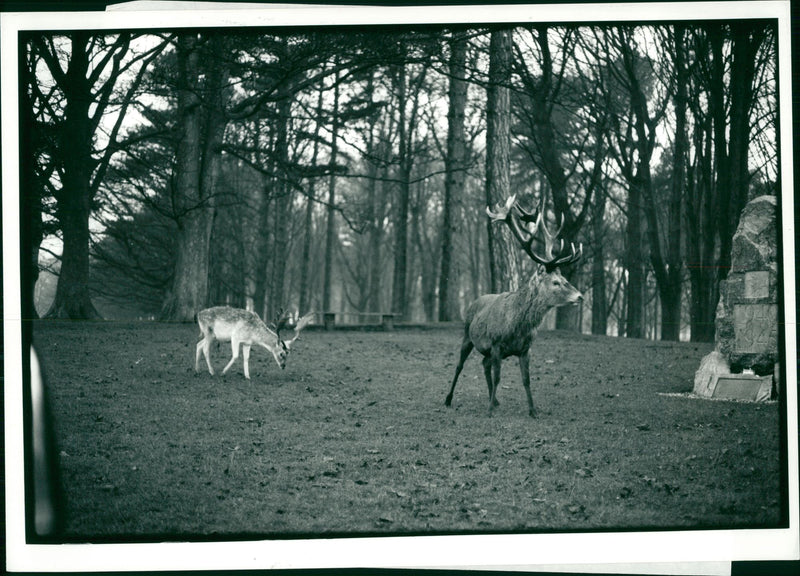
743 364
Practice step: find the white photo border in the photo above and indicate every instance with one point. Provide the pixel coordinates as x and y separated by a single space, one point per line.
708 550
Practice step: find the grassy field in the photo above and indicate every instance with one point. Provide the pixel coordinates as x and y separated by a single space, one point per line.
354 438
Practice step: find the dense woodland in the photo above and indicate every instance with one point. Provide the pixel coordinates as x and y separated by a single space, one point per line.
349 170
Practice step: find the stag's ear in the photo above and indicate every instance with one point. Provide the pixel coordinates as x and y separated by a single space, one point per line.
541 269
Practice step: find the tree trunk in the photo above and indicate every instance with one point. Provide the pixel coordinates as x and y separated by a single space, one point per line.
277 299
32 190
498 143
196 168
634 292
309 216
377 154
542 94
72 299
264 233
722 173
599 301
667 271
746 41
701 228
330 232
672 291
455 168
427 258
400 301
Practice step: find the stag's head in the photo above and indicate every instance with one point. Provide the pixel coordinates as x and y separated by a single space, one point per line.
285 321
550 285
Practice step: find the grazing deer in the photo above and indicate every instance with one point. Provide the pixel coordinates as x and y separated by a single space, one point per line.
503 325
245 328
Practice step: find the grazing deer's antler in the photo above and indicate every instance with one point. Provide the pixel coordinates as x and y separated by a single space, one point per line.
502 325
291 321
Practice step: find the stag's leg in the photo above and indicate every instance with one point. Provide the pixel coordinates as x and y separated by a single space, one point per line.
487 372
524 368
235 350
466 348
494 362
246 358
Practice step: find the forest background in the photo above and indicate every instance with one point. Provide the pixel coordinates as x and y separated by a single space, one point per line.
349 169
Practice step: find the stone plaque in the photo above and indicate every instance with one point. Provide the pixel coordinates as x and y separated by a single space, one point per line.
743 387
756 284
755 325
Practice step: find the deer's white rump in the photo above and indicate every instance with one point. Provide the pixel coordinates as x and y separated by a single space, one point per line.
244 329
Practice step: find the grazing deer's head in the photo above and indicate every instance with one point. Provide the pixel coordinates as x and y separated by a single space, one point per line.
552 287
283 321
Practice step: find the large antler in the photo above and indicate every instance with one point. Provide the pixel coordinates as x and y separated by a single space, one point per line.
513 215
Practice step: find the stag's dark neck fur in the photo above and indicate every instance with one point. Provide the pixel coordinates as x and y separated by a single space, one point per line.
531 306
509 319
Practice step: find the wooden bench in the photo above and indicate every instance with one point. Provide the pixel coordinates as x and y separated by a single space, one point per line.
386 318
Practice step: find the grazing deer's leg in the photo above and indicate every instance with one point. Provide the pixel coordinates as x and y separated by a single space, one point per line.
466 348
235 350
495 362
246 358
524 368
197 355
204 347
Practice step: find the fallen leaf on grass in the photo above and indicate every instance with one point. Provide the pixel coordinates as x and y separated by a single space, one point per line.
576 509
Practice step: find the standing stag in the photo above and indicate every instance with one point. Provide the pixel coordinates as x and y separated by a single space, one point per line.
241 327
503 325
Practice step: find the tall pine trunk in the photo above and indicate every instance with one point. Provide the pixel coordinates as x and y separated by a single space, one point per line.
599 299
634 262
277 298
455 168
673 289
330 230
498 143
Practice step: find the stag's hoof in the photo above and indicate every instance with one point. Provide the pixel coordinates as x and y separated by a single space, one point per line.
448 400
496 402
